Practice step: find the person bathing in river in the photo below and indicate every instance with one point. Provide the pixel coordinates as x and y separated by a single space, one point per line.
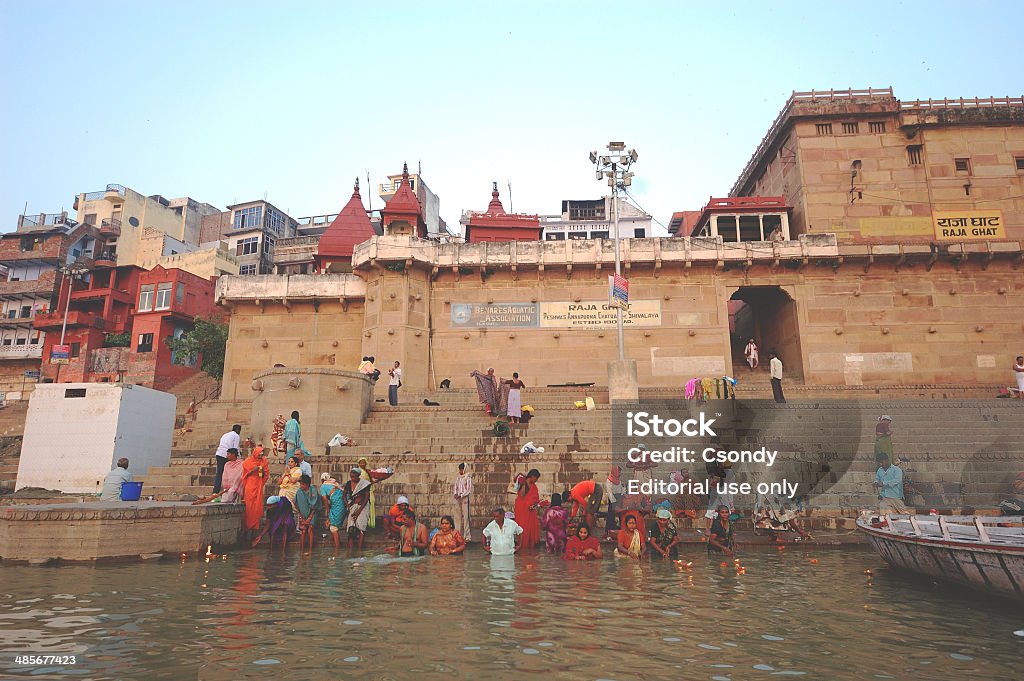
393 518
334 500
310 506
720 535
515 399
665 537
447 541
554 524
583 546
280 522
630 543
527 501
413 538
586 499
357 498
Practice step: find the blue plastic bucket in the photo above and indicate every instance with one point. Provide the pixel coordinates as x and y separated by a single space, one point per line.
131 491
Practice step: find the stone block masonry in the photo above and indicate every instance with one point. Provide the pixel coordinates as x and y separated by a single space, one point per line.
114 530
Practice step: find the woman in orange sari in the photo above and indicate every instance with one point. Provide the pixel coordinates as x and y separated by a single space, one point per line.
527 500
255 471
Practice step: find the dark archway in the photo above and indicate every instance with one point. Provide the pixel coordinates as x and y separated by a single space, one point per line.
768 315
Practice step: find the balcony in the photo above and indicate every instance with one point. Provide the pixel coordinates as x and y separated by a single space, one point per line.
55 320
21 351
110 228
18 321
105 259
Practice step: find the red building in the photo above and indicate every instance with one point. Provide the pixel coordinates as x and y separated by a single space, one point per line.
350 228
495 224
118 304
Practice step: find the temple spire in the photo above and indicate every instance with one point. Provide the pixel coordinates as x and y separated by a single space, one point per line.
495 206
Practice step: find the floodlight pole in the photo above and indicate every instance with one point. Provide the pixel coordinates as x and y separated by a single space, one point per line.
615 167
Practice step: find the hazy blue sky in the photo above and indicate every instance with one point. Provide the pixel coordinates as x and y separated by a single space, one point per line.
226 101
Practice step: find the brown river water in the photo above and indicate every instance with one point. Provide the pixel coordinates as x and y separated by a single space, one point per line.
252 615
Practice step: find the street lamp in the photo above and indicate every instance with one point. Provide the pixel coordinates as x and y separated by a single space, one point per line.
614 166
72 271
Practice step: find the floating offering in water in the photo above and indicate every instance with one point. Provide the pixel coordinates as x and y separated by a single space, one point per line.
814 561
867 572
724 564
781 548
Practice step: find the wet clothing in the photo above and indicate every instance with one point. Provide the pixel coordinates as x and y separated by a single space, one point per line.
723 535
663 538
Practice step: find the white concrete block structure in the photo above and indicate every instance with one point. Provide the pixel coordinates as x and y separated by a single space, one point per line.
76 432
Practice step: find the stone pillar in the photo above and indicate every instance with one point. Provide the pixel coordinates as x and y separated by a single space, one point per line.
622 381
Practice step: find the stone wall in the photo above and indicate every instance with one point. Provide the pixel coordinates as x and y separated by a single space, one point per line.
109 530
883 315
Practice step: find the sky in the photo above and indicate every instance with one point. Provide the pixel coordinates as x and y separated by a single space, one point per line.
234 101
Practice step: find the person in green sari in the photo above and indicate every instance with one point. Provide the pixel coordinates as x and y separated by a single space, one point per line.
364 474
334 498
310 506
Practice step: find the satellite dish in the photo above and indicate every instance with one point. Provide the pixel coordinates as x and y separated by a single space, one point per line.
133 221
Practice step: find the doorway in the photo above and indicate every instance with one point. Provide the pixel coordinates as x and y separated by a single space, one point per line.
768 315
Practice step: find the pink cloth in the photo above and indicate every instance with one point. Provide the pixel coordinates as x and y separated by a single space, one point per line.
232 481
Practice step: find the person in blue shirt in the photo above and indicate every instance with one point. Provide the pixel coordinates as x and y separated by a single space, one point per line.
889 483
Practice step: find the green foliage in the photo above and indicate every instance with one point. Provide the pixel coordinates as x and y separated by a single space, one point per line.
208 339
117 340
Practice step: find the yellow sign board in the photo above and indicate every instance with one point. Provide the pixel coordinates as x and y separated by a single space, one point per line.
598 314
969 225
899 226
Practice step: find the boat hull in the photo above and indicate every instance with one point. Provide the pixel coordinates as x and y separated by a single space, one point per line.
995 570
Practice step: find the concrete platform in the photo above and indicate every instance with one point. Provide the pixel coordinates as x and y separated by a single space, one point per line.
96 531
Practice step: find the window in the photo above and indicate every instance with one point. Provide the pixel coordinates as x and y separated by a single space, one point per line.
823 128
20 341
247 269
1020 163
851 128
247 217
7 341
163 296
179 293
599 235
145 343
962 165
146 298
577 235
90 218
74 392
247 246
76 349
640 233
26 311
876 126
31 243
275 221
914 154
556 236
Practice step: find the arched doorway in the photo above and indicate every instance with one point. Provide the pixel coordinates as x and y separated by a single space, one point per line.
768 315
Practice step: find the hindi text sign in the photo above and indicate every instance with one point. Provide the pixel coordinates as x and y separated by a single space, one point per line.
969 225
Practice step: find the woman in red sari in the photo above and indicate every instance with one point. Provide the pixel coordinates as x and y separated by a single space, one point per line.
527 500
255 471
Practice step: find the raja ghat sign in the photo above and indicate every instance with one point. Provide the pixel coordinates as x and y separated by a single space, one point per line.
557 315
969 225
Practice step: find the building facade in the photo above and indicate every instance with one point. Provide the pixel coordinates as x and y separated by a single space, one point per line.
29 258
868 167
251 231
430 204
494 224
592 219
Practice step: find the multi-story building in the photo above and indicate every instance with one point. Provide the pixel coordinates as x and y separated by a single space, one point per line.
430 204
251 230
494 224
116 321
866 166
29 287
735 219
130 219
592 219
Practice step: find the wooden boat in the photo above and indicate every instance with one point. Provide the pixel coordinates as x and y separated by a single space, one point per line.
970 550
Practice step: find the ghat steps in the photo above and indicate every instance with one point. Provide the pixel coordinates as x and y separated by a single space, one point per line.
962 453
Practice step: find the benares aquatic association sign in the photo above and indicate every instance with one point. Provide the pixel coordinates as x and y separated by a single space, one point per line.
592 314
969 225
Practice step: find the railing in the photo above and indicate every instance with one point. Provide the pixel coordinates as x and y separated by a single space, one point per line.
811 96
45 220
962 103
315 220
116 188
21 351
110 223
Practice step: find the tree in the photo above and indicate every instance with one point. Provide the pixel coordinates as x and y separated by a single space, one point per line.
207 339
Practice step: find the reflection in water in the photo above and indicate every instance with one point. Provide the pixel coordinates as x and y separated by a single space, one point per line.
252 615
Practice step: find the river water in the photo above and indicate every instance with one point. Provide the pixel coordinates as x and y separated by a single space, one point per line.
252 615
